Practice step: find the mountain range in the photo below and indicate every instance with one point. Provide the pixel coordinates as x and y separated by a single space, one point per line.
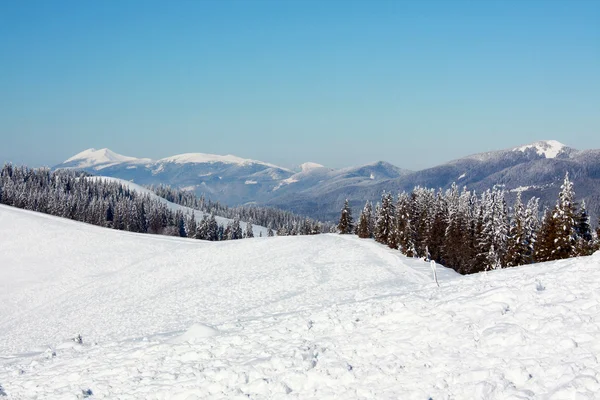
535 169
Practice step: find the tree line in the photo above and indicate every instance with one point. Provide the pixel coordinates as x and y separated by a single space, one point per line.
285 223
78 196
472 233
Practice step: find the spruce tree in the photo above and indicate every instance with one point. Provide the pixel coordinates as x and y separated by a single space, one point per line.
584 245
517 246
202 229
402 234
363 229
545 246
532 226
249 233
384 224
345 225
457 240
214 230
180 222
564 214
235 230
494 229
190 225
437 230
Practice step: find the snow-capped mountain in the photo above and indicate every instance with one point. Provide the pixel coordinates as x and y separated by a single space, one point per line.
226 178
230 179
99 159
202 158
546 148
536 169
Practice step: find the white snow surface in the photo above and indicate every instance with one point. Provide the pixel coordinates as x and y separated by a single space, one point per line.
316 317
100 159
307 166
522 189
547 148
200 158
256 229
103 158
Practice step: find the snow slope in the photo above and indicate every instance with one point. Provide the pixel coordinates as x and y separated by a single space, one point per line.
256 229
291 317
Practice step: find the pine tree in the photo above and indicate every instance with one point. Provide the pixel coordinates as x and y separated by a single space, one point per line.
584 245
402 234
517 246
190 225
564 214
214 230
437 230
249 233
532 226
235 230
202 229
384 224
457 249
180 221
365 222
421 202
545 246
346 225
494 229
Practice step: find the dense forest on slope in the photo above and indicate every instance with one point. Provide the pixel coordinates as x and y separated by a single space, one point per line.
472 233
283 222
71 194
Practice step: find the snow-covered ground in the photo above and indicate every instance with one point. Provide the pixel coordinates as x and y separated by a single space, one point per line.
256 229
312 317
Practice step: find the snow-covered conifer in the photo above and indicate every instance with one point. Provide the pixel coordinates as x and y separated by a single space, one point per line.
385 219
365 222
346 224
249 233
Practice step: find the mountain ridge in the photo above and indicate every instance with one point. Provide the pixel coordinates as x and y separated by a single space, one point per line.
319 191
547 148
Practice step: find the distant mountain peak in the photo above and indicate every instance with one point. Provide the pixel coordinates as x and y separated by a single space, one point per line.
97 158
307 166
201 158
546 148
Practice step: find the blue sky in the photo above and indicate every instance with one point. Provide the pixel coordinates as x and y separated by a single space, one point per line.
342 83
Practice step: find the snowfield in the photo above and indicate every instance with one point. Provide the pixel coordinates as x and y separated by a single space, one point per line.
314 317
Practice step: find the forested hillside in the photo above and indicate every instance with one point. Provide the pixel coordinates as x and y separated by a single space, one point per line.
472 233
74 195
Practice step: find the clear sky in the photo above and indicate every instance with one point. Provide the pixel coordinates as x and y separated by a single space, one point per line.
341 83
